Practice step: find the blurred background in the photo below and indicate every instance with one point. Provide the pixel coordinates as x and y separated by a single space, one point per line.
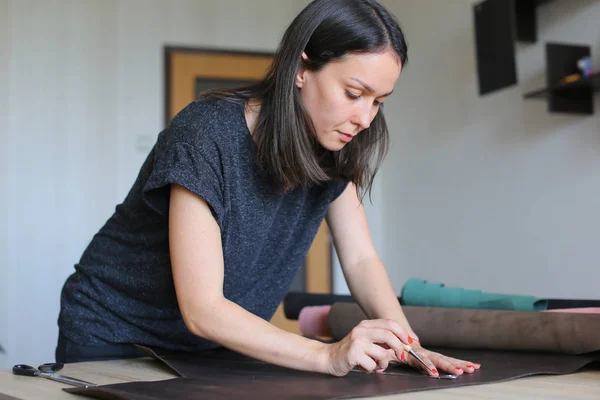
490 192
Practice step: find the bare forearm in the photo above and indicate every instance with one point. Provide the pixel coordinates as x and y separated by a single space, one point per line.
370 286
235 328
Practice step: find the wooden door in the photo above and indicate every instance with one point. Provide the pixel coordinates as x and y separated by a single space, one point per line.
188 71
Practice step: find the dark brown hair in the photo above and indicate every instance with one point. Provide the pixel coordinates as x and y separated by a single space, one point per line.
326 30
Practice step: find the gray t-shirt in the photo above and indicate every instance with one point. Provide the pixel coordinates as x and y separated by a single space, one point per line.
122 290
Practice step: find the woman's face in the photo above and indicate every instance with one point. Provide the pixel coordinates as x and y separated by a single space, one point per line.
343 97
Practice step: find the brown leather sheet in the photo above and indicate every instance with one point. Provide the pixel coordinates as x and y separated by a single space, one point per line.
222 374
487 329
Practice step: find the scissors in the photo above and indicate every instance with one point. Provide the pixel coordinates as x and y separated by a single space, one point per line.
48 371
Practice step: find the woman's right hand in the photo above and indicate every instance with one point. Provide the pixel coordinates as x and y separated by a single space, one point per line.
370 346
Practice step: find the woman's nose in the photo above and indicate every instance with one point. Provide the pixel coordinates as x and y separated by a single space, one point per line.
364 115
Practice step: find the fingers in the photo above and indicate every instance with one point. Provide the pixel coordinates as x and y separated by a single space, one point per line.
466 366
370 357
452 365
366 363
378 335
388 333
413 362
389 325
435 361
370 346
384 341
379 355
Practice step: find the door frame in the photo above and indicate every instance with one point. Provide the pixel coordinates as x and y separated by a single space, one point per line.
170 51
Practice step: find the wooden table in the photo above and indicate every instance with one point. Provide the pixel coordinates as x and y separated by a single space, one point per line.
581 385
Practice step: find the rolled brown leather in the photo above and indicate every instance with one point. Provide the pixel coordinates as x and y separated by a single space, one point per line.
487 329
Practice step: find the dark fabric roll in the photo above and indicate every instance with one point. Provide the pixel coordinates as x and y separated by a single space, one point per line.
487 329
294 302
554 304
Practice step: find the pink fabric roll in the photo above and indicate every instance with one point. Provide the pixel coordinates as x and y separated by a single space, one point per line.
312 321
585 310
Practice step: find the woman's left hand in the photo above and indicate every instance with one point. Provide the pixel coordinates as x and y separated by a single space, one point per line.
437 362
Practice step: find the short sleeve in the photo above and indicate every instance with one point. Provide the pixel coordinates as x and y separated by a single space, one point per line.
338 187
182 164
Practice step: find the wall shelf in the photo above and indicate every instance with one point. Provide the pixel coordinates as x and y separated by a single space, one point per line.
575 97
526 19
593 81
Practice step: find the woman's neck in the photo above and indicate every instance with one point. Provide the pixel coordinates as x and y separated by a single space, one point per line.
252 113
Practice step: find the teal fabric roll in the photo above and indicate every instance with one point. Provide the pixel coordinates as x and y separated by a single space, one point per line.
418 292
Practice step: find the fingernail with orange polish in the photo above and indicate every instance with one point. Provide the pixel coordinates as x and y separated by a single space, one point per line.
469 366
410 340
402 356
435 371
458 368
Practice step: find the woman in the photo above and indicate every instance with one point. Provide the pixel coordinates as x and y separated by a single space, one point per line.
226 205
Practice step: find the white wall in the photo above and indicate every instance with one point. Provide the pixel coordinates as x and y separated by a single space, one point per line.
491 192
62 134
487 192
4 176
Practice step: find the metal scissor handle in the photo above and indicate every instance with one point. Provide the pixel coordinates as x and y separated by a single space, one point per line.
51 367
28 370
48 371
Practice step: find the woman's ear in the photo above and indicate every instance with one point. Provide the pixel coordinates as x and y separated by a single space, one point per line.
300 76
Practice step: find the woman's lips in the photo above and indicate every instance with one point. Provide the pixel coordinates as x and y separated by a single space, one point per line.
345 137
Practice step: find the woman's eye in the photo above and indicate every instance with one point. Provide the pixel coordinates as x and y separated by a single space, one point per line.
352 95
